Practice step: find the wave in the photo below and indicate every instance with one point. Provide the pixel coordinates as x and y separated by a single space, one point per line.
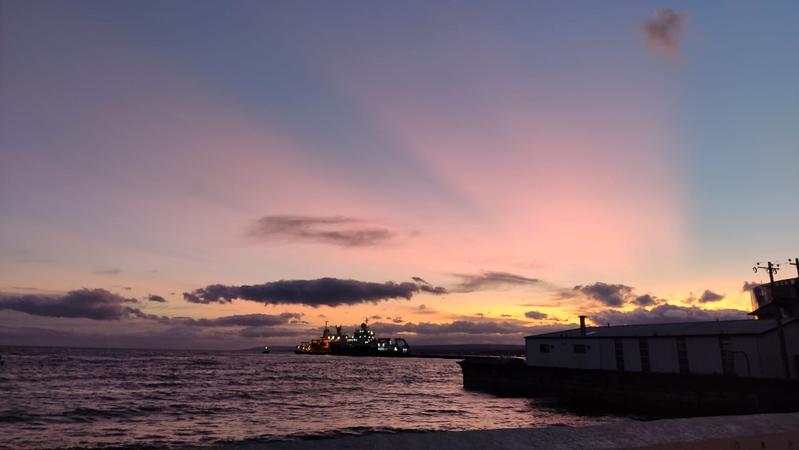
192 399
314 436
204 362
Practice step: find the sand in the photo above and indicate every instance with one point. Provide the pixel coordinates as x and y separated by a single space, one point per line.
762 431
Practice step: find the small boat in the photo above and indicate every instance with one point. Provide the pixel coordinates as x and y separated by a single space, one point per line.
266 349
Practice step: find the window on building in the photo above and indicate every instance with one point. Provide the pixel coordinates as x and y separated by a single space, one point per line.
682 355
643 348
619 347
579 348
545 348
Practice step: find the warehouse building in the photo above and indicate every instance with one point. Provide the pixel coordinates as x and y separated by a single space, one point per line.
766 347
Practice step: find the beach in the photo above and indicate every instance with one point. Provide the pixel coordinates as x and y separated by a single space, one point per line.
761 431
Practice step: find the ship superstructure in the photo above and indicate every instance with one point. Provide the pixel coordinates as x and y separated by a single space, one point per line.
363 342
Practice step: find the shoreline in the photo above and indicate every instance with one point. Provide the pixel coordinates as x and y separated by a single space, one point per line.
716 432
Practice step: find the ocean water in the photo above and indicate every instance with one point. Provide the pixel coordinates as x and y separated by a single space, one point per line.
60 398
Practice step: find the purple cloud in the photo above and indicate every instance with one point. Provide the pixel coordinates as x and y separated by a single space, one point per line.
336 230
535 315
666 313
710 296
318 292
492 280
96 304
612 295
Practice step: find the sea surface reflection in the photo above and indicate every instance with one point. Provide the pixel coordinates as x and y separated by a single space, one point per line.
92 397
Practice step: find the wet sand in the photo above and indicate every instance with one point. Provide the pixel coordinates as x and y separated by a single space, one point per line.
769 431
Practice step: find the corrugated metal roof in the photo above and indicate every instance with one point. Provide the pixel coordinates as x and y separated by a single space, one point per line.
712 328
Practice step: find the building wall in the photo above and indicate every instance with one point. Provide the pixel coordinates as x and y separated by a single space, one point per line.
607 354
755 356
792 338
632 355
770 352
663 355
562 353
704 355
746 356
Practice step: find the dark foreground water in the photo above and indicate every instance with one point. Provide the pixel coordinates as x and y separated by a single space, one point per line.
89 397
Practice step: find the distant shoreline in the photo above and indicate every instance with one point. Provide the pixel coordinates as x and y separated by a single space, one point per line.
424 351
720 432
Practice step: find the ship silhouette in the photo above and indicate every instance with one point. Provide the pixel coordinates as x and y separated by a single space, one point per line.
363 342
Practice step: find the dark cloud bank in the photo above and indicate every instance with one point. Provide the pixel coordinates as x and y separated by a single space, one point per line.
101 305
334 230
97 304
614 296
335 291
318 292
666 313
487 330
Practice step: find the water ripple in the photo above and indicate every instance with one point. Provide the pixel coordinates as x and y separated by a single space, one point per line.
168 399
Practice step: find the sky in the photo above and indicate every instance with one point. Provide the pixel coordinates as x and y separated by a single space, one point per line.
230 174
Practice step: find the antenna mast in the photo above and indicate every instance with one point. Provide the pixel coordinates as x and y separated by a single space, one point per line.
772 269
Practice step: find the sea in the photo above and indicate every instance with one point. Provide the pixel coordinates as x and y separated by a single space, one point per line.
102 398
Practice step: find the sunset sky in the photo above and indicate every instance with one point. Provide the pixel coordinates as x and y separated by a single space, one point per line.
458 172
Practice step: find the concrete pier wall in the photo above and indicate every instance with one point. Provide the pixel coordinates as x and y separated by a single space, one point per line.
653 394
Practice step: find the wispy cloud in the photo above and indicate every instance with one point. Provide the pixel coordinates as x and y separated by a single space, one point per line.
243 320
108 271
458 326
335 230
318 292
424 309
271 332
156 298
469 330
663 30
492 280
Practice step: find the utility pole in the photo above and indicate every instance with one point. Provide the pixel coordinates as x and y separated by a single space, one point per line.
772 269
792 309
795 263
